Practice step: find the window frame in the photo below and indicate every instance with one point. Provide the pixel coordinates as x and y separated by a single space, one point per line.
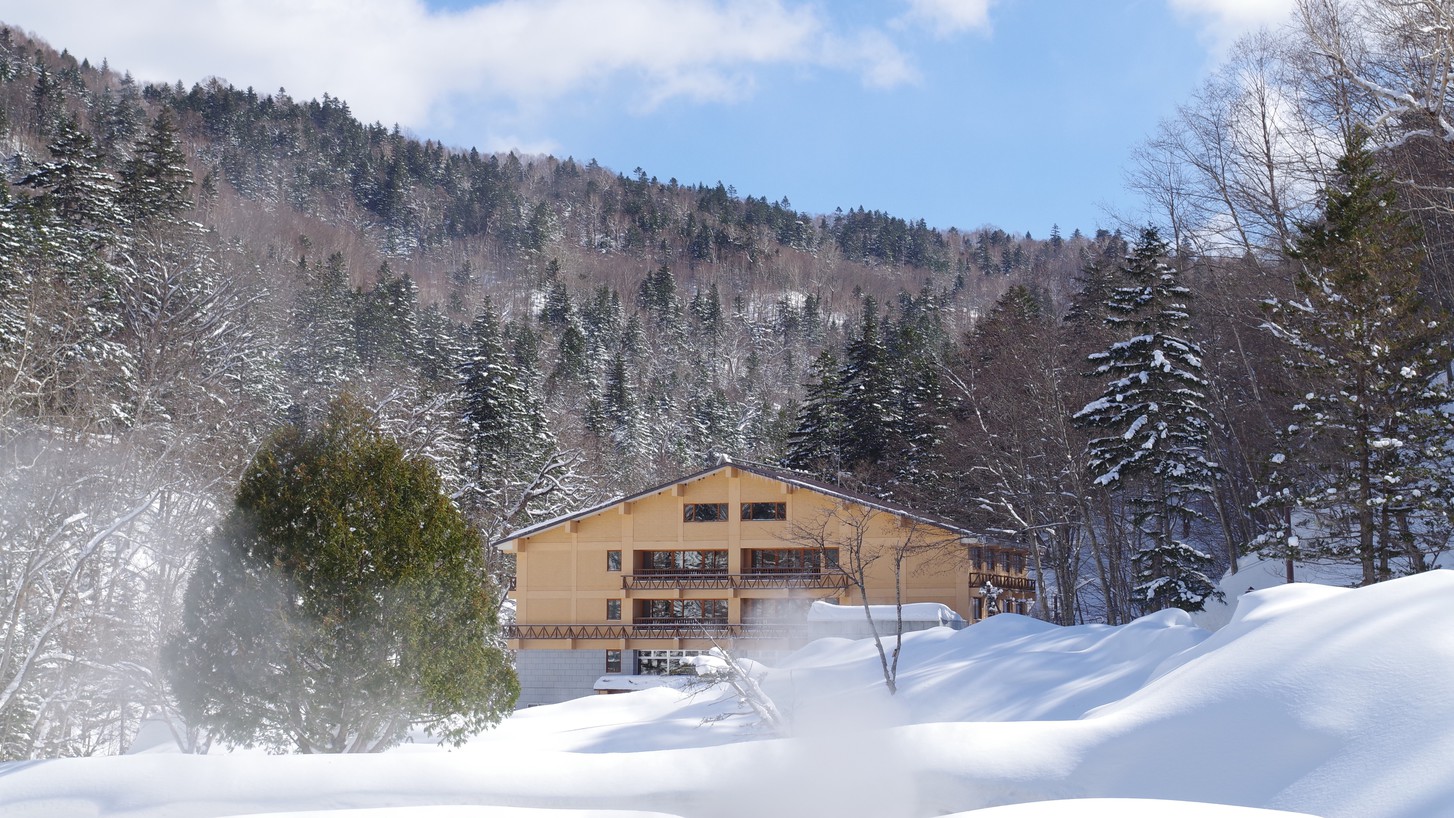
613 610
749 512
659 662
613 560
692 513
672 612
790 561
678 562
613 660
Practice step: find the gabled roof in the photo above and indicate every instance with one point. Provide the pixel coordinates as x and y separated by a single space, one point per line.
788 476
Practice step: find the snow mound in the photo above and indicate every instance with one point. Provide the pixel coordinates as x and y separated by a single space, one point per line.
1123 808
1321 701
917 612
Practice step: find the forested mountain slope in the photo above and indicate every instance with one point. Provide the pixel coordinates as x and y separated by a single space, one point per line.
184 269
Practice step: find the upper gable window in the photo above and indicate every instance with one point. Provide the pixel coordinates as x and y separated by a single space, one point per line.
764 511
704 512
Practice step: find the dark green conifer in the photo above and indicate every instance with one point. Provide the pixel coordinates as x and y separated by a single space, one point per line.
342 601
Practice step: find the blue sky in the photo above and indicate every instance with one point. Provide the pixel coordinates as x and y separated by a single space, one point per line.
1017 113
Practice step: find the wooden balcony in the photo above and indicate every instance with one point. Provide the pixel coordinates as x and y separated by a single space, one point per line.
1005 582
661 630
733 582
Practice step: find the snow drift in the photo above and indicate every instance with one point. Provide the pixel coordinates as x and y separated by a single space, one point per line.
1323 701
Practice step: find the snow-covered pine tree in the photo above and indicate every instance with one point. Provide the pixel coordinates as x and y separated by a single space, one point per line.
572 363
1369 454
322 349
1154 423
706 308
386 320
440 353
155 182
76 187
916 346
813 444
514 470
868 395
558 309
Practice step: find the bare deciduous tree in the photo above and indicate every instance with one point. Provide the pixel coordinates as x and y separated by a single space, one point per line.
870 547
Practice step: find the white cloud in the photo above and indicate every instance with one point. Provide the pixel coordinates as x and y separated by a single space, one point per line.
1223 21
395 60
883 65
946 18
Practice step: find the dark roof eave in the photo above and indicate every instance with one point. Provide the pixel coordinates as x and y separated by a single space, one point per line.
772 473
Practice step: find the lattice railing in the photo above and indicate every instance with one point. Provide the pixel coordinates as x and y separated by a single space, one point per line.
733 582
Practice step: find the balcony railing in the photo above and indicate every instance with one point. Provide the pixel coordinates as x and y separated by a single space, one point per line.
660 630
753 581
1005 582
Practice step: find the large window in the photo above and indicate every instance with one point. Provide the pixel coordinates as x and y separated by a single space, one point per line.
704 512
682 562
764 511
791 560
989 559
666 662
680 611
982 559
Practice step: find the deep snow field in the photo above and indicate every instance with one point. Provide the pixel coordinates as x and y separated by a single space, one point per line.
1309 699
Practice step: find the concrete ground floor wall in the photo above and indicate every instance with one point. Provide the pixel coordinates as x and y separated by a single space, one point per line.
550 676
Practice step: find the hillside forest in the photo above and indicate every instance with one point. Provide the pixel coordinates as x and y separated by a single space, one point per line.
1257 364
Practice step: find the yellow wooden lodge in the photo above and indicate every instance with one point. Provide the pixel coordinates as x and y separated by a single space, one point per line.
732 556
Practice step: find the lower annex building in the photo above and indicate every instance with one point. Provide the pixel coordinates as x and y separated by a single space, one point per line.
732 555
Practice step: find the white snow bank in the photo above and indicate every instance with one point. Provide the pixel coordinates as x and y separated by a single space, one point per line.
1005 668
1123 808
1330 702
466 812
1256 574
917 612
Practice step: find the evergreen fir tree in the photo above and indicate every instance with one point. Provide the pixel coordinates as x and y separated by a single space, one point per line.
707 309
386 320
1154 424
868 395
440 354
572 361
814 444
76 188
915 343
620 416
1368 454
921 427
155 182
498 417
323 350
557 310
